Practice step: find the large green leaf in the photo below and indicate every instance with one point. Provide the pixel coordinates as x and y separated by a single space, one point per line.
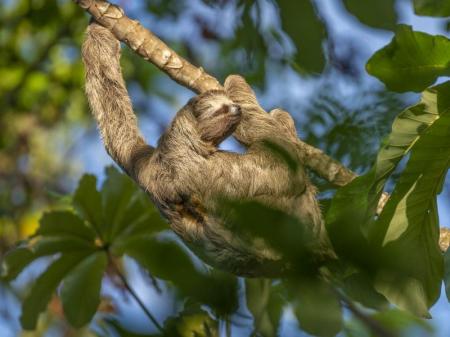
353 207
412 61
80 293
307 34
44 287
318 310
377 14
407 232
432 7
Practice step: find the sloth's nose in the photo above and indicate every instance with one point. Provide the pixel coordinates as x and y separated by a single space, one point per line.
235 110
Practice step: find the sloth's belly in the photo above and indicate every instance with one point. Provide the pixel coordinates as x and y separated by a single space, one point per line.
220 248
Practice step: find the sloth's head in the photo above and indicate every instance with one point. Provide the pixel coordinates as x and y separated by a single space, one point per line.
217 116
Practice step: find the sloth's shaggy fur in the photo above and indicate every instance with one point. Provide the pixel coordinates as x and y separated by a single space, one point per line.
186 173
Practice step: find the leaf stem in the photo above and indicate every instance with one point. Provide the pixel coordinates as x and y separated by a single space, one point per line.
376 327
135 296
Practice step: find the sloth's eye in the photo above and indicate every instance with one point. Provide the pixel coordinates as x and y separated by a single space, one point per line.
224 109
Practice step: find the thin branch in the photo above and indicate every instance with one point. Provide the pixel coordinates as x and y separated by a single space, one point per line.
377 329
135 296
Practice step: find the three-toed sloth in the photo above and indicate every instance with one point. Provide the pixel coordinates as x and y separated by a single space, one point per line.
186 174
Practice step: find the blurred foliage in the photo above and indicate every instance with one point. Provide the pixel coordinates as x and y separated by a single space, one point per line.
349 127
432 7
376 14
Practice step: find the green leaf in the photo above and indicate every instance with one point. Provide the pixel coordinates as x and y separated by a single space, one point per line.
353 207
318 310
432 7
360 288
14 262
265 304
377 14
64 223
402 324
44 287
88 202
412 61
60 244
80 293
407 232
307 34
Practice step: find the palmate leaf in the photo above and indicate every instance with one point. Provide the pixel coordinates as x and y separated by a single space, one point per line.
119 211
412 61
407 232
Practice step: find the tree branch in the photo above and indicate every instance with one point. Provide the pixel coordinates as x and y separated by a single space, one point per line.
152 49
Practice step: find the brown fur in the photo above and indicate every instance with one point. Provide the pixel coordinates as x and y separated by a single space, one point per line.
186 172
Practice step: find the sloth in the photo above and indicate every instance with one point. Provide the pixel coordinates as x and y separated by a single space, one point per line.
187 175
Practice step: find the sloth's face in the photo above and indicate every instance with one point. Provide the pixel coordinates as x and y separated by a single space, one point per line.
217 116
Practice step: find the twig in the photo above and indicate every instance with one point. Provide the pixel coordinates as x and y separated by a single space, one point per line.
135 296
373 325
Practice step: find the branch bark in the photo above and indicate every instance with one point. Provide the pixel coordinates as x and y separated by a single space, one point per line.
152 49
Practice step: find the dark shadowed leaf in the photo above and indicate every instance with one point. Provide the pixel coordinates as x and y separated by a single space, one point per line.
317 309
376 14
432 7
412 61
307 33
80 293
265 304
360 288
44 287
